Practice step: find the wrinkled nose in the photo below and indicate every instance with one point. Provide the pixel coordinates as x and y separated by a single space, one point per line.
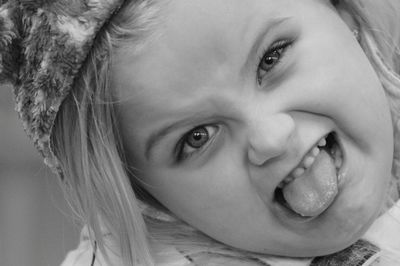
269 137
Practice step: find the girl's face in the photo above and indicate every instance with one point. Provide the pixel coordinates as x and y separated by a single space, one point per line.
259 122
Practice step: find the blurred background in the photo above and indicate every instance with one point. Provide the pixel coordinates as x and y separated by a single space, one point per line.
36 228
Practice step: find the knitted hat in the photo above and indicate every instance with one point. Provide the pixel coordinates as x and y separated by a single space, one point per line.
43 45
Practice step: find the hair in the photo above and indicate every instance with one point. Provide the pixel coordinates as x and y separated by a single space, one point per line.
379 25
86 137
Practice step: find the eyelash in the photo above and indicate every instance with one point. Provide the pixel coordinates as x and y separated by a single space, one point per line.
181 154
335 2
278 47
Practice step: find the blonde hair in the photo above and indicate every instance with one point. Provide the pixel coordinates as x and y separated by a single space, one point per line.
85 138
88 144
380 39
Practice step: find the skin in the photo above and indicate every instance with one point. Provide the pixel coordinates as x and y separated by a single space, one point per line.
202 69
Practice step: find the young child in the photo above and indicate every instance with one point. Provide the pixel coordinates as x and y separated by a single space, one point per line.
215 132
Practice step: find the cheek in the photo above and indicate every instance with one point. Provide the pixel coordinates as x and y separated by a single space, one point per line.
334 78
216 198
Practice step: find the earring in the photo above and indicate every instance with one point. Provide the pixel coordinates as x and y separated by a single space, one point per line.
356 34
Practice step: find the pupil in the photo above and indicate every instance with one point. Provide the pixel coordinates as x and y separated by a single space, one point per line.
270 60
198 138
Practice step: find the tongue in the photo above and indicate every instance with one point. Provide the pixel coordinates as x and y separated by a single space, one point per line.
311 193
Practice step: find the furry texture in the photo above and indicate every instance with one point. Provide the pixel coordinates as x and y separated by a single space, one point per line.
43 45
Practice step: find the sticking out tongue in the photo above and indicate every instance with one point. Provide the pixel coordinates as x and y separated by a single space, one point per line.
311 193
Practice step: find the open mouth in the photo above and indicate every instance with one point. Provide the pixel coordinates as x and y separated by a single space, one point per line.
312 185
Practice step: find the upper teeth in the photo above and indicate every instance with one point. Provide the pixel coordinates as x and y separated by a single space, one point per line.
309 159
322 142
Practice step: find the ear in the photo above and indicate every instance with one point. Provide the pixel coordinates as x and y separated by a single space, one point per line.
345 14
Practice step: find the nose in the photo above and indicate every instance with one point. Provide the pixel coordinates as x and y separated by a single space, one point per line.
269 137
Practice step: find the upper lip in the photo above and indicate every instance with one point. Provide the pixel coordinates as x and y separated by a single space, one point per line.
301 158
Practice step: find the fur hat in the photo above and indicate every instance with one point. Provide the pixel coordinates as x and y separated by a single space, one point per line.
43 45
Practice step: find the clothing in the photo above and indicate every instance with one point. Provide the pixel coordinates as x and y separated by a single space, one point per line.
384 233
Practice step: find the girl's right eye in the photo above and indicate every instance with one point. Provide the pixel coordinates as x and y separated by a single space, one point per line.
195 140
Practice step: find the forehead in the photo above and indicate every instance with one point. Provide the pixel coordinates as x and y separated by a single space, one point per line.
195 41
213 24
200 48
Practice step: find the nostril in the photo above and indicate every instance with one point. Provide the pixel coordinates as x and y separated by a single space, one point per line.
255 157
261 154
269 137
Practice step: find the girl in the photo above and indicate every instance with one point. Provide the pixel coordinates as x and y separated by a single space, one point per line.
215 132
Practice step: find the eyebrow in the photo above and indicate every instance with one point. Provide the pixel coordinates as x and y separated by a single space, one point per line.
157 136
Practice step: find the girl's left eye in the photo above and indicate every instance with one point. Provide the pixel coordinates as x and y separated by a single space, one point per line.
195 140
271 58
